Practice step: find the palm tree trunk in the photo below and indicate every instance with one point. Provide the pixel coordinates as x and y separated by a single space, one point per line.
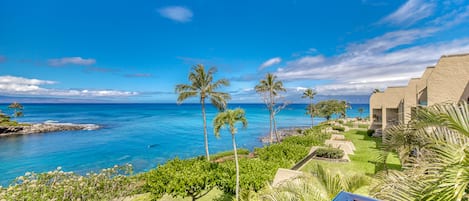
275 130
272 126
311 111
312 121
202 102
237 165
271 137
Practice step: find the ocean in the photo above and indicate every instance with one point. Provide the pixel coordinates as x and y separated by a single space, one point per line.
144 135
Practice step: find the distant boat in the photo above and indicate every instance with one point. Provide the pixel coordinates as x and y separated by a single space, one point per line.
152 145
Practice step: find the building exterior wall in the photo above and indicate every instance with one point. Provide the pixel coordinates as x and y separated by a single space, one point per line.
449 80
376 105
410 98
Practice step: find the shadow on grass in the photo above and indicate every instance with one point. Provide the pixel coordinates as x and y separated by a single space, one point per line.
379 165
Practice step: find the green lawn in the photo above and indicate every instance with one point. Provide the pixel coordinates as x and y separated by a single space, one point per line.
364 159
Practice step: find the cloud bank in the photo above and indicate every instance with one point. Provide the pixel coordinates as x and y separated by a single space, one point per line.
410 13
176 13
11 85
70 61
270 62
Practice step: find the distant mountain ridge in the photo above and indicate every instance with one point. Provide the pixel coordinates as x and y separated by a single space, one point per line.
354 99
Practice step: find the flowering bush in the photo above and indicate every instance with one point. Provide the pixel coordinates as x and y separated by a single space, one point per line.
109 184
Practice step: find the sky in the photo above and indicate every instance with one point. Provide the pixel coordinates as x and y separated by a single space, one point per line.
137 51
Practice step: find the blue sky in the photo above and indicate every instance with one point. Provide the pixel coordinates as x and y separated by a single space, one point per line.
137 51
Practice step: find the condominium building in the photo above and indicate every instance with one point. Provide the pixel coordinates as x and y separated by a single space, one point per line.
447 81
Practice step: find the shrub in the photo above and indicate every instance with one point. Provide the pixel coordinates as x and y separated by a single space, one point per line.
338 128
285 154
109 184
229 153
332 153
340 121
254 175
370 132
307 140
185 178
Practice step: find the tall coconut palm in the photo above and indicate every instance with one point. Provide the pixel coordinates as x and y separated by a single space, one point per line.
309 93
203 86
320 185
17 109
434 152
269 89
229 118
360 111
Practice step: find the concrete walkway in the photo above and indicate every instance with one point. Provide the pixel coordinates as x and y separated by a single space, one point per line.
337 141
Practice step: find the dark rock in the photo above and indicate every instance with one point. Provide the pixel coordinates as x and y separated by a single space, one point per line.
43 128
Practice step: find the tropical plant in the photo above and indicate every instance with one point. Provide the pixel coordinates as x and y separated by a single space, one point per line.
269 89
230 118
333 153
342 108
203 86
17 109
320 185
328 108
360 111
310 109
192 178
433 149
109 184
254 175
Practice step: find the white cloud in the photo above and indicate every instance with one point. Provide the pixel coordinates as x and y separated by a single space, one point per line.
307 60
70 60
410 12
11 85
270 62
176 13
23 81
365 67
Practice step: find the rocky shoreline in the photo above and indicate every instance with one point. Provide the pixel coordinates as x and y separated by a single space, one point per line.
283 133
45 127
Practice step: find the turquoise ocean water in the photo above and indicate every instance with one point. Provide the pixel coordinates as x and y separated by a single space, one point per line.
144 135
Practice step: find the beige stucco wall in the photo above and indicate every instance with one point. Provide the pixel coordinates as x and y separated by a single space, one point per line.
393 97
390 98
410 98
422 83
376 102
448 82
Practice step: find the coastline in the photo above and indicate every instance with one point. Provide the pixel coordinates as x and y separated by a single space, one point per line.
46 127
283 133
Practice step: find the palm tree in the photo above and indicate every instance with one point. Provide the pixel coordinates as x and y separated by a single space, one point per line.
309 93
269 89
17 109
228 119
328 185
342 108
202 85
433 149
313 111
361 110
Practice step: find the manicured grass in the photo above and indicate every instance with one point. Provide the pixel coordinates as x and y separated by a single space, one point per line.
364 161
